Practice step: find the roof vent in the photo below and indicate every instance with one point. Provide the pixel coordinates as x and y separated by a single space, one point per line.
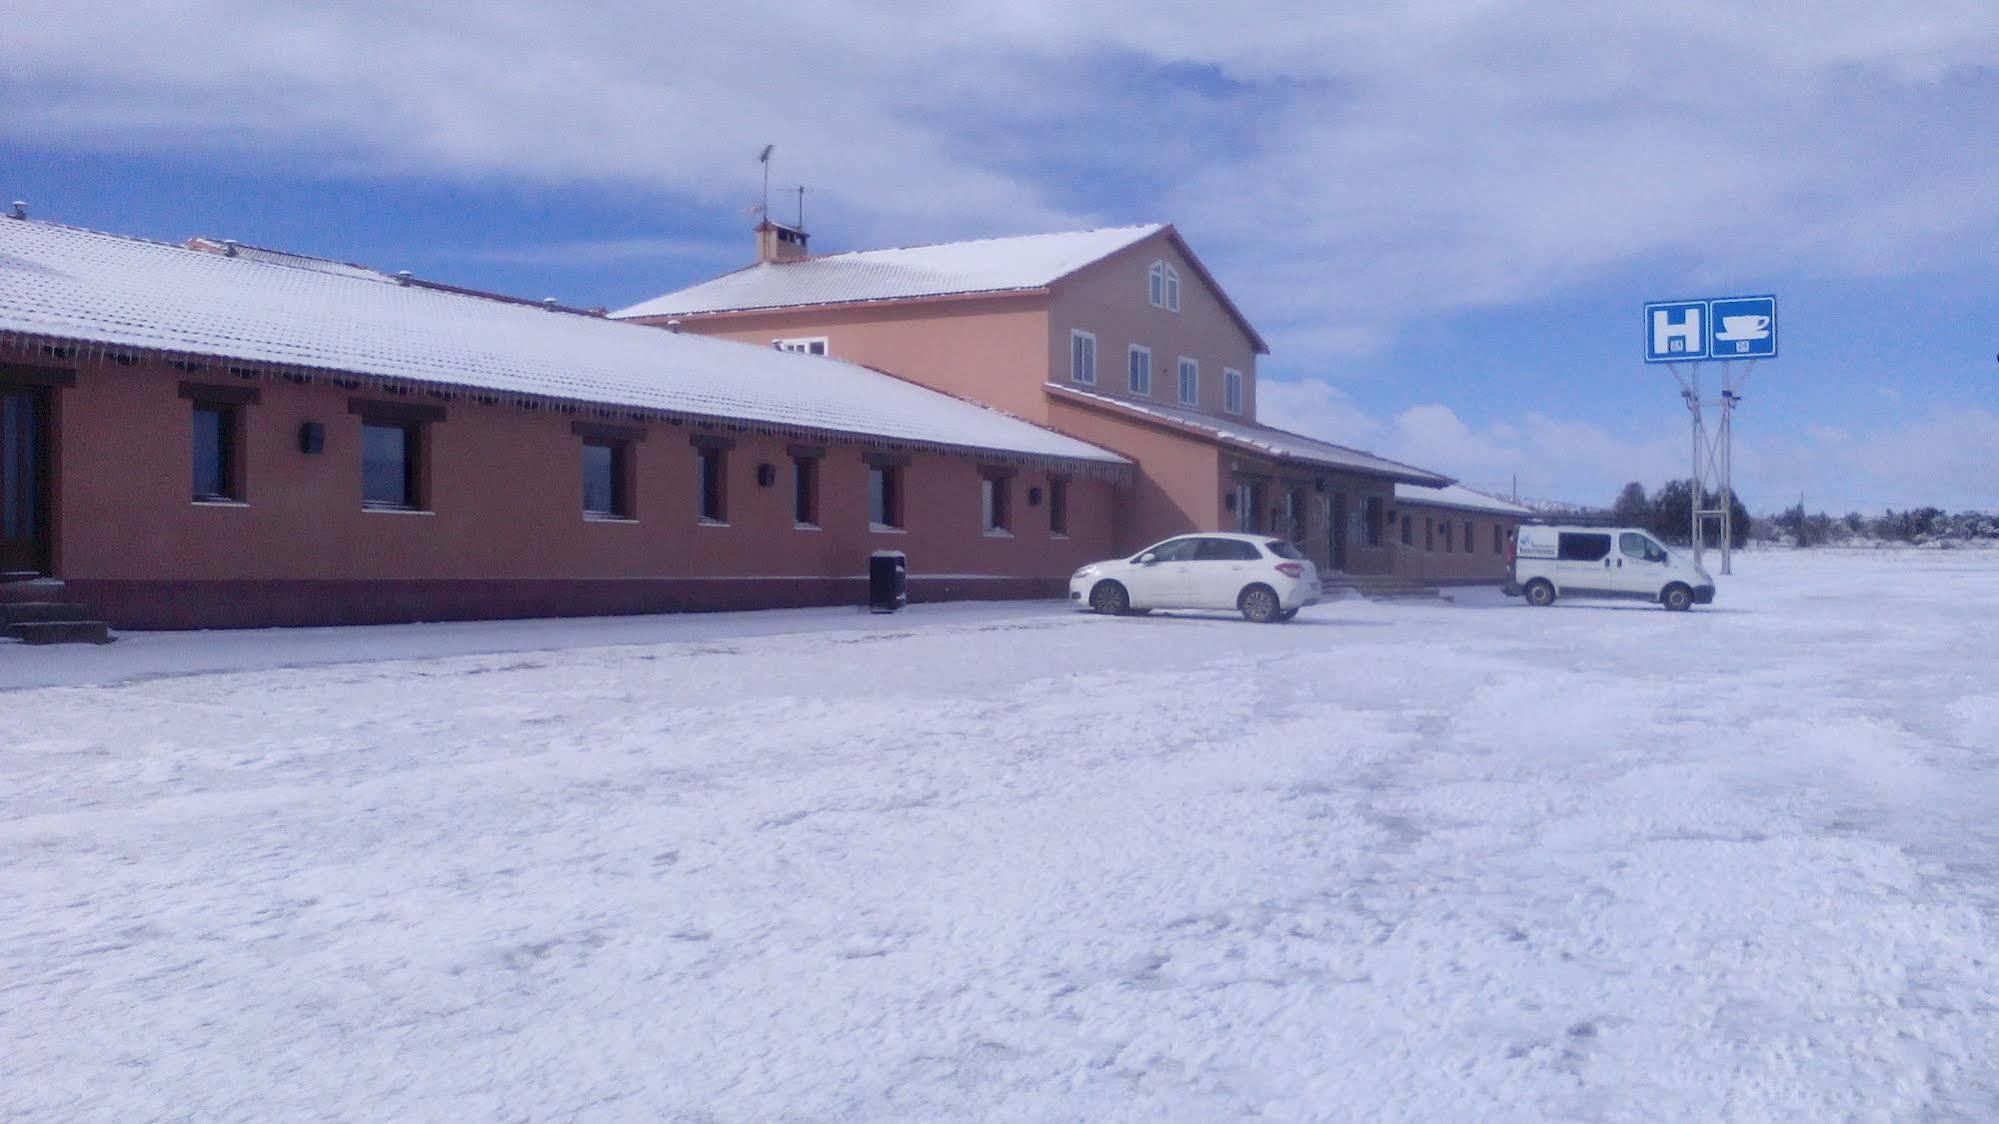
403 276
673 326
229 247
20 209
550 303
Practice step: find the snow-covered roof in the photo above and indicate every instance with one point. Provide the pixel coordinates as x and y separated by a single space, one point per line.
1266 440
65 283
985 265
1458 496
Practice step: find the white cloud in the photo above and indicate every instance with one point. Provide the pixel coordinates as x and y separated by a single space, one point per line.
1946 459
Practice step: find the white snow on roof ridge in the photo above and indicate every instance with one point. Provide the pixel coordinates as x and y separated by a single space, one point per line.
1457 495
1279 442
980 265
70 283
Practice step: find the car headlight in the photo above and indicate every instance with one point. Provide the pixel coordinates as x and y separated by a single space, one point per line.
1084 572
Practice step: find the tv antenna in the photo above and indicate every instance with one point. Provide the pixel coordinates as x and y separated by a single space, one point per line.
764 158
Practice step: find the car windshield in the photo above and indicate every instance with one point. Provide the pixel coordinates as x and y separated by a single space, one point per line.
1284 549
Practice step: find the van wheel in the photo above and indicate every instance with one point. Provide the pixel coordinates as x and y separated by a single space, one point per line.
1110 599
1540 593
1259 605
1678 598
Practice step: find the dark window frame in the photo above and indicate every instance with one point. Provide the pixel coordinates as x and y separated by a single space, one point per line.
226 404
1058 506
1376 508
887 492
414 420
805 487
996 501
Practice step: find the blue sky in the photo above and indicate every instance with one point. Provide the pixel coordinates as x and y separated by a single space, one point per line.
1444 216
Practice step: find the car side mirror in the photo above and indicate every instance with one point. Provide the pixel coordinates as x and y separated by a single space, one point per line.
1147 559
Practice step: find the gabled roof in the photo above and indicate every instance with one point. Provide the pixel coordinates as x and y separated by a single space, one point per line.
1460 497
66 284
982 267
1262 440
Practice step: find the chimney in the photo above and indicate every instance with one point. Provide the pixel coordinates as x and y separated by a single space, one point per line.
778 242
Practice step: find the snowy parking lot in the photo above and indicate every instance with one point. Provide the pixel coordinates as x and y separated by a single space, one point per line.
1390 861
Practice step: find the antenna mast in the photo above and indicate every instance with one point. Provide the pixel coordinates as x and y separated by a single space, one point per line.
764 159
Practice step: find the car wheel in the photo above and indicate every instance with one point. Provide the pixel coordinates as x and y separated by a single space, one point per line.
1540 593
1259 605
1110 599
1286 615
1678 598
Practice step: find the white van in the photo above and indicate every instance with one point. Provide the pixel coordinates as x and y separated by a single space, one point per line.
1551 562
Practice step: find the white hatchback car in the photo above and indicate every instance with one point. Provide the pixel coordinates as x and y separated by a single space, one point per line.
1265 579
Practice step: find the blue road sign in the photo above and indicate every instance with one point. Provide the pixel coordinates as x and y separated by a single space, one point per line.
1743 327
1676 331
1723 328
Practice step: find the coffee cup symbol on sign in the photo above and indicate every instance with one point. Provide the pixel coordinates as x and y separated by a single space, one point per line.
1741 330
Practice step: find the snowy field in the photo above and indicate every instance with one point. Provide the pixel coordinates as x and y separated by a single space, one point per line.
1390 862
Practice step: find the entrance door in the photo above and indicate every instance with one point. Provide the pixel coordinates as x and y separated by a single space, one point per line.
24 479
1336 531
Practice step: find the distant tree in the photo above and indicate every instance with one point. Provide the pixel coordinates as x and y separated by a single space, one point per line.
1632 508
1856 523
1673 512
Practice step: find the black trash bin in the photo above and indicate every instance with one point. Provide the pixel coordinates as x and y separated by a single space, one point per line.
888 581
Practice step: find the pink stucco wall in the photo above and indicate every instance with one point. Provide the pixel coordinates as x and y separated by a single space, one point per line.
1110 299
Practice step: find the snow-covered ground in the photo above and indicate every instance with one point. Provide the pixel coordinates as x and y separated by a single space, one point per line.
1388 862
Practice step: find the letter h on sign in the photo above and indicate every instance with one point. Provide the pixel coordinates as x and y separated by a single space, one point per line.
1676 331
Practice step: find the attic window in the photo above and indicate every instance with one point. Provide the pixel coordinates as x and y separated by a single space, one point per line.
1163 286
805 345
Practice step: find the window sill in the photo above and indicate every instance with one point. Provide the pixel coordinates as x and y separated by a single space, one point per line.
885 529
998 533
1058 535
805 527
594 517
375 510
706 522
218 503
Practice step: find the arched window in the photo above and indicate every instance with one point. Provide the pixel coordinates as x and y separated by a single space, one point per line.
1163 286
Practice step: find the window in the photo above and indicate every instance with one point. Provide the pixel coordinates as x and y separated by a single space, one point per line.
395 440
885 497
1058 505
1083 358
1163 286
1429 533
390 468
1447 534
1225 550
1470 546
1175 550
1190 382
804 490
1294 514
216 439
1498 539
215 452
1377 517
805 345
995 494
714 481
1408 531
1640 547
1248 507
1284 549
1138 364
1232 391
1582 548
605 495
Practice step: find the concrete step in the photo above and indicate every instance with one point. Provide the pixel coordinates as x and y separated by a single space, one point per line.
59 632
30 589
23 612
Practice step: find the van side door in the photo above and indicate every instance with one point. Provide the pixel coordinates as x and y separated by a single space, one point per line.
1641 565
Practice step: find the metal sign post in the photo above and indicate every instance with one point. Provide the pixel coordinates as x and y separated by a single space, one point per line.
1683 335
